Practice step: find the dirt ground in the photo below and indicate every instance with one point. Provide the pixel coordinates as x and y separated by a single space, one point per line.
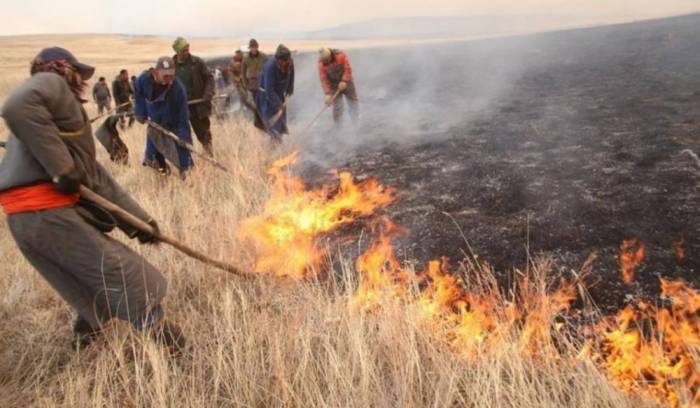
562 144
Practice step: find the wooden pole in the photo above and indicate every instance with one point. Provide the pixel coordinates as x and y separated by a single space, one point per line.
307 127
145 227
185 145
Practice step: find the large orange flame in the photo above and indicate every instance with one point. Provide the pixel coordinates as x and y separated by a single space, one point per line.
286 234
656 350
646 349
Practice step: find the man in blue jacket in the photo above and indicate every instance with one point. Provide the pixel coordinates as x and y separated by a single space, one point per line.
161 98
276 85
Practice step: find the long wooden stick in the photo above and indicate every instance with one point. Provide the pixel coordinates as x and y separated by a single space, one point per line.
307 127
106 113
185 145
145 227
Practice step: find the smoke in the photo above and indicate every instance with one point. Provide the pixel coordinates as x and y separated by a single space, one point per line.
408 95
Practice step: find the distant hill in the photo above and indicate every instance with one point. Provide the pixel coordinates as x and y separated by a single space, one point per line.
443 27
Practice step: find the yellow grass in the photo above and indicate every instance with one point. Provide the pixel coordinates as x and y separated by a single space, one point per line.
253 343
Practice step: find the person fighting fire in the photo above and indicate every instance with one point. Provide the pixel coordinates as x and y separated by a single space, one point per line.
335 73
198 81
50 155
276 86
123 92
162 99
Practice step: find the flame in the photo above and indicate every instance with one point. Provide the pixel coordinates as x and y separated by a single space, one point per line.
472 317
644 349
656 350
286 234
632 253
679 249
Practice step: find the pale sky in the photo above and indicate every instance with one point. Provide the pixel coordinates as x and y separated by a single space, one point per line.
232 17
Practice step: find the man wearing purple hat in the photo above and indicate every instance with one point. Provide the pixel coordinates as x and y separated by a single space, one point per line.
50 154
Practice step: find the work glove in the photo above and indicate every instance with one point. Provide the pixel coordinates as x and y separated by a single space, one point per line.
329 100
149 238
342 86
68 182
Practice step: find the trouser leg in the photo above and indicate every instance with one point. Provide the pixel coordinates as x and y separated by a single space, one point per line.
338 108
353 101
101 278
202 129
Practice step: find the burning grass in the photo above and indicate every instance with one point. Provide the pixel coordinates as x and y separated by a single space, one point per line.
376 332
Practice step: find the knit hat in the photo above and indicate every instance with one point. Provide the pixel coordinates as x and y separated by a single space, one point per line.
253 43
283 52
180 44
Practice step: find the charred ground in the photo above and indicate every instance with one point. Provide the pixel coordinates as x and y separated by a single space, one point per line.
562 143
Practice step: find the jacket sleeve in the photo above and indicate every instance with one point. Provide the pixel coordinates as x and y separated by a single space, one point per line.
347 69
28 113
140 98
207 80
323 76
108 188
94 92
181 112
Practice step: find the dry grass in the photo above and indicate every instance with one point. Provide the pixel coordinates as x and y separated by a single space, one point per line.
253 343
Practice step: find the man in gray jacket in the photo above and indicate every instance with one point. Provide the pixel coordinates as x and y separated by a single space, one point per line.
102 96
50 153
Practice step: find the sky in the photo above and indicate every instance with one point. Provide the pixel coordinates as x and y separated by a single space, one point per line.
222 18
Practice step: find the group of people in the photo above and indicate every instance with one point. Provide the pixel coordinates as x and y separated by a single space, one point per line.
123 91
177 95
51 157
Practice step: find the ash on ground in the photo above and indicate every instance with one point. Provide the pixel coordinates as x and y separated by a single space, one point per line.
561 144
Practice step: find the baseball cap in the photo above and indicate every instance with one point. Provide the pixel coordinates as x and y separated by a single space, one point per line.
166 65
58 53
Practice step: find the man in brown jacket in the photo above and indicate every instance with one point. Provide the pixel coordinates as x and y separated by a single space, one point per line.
252 67
199 84
50 154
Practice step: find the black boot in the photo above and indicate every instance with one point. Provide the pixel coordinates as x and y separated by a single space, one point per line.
83 334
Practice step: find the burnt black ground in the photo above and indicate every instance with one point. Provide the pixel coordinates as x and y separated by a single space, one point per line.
566 143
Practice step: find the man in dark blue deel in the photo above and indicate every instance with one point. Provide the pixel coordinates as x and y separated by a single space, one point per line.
276 85
161 98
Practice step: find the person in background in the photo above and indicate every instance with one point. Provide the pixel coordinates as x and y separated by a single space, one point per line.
252 66
198 81
161 98
102 96
50 156
337 82
123 92
276 86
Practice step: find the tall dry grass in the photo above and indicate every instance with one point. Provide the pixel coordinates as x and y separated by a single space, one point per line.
253 343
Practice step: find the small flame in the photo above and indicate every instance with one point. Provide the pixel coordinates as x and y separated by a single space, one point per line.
632 254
